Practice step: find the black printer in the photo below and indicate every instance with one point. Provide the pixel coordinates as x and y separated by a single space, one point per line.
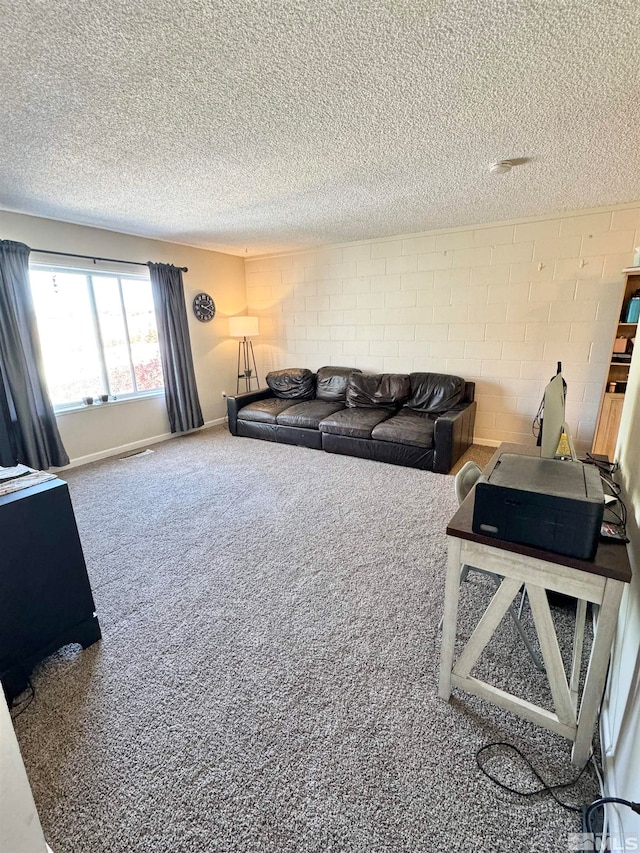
552 504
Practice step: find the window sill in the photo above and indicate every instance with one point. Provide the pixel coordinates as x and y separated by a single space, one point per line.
69 410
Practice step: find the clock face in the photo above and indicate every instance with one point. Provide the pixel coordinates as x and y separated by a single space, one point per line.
204 307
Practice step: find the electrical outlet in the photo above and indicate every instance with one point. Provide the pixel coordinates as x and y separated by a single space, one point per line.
224 395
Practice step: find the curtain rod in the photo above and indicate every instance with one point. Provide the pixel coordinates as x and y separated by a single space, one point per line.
94 258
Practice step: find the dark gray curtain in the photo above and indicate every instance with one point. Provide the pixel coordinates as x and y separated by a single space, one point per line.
32 421
180 388
8 444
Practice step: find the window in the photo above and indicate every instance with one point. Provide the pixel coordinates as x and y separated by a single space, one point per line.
97 332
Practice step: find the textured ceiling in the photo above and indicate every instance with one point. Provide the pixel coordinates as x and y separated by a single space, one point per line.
277 124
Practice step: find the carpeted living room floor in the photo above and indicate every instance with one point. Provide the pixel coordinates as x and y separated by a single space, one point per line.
267 677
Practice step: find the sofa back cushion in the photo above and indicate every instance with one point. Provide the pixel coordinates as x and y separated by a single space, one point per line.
331 383
383 390
435 392
292 383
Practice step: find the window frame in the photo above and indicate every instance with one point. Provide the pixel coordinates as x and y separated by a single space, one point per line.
89 275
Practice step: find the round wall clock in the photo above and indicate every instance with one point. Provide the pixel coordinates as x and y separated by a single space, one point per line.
204 307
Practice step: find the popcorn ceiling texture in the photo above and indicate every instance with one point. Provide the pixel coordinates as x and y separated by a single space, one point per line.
499 305
273 126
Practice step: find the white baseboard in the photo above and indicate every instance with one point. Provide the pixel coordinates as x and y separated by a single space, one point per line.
620 820
620 713
123 449
581 446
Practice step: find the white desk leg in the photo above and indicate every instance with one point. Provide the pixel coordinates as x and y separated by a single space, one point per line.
578 643
597 671
551 654
451 595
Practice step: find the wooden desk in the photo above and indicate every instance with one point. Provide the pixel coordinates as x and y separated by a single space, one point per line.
599 581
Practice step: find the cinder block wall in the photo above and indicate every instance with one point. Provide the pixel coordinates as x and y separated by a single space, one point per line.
500 304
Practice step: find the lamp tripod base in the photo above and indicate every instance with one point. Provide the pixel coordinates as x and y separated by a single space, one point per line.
247 359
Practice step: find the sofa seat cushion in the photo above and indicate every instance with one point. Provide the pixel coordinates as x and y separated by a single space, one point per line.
377 390
264 411
407 427
309 414
357 423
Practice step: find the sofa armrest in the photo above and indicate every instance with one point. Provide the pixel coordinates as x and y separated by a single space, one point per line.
234 404
452 434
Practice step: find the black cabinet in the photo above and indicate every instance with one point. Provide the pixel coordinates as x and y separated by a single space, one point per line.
45 597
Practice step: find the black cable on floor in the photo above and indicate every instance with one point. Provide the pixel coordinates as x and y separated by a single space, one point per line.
22 706
601 803
546 787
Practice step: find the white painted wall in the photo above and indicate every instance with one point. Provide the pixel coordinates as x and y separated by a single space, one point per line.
499 304
620 725
95 431
92 432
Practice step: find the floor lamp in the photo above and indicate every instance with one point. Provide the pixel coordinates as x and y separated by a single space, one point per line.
245 327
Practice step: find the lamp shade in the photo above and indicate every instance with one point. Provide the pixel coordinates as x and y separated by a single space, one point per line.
243 327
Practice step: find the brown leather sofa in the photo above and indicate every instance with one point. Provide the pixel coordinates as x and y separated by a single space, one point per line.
422 420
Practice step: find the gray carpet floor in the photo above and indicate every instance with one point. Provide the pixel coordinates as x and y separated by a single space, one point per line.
267 678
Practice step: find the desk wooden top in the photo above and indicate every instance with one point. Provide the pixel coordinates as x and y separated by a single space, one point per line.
611 560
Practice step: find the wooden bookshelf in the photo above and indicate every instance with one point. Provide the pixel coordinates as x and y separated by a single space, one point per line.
608 424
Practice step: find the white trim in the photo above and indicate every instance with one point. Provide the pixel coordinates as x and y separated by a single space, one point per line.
540 217
233 252
487 442
490 442
615 721
85 267
611 787
133 445
133 398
